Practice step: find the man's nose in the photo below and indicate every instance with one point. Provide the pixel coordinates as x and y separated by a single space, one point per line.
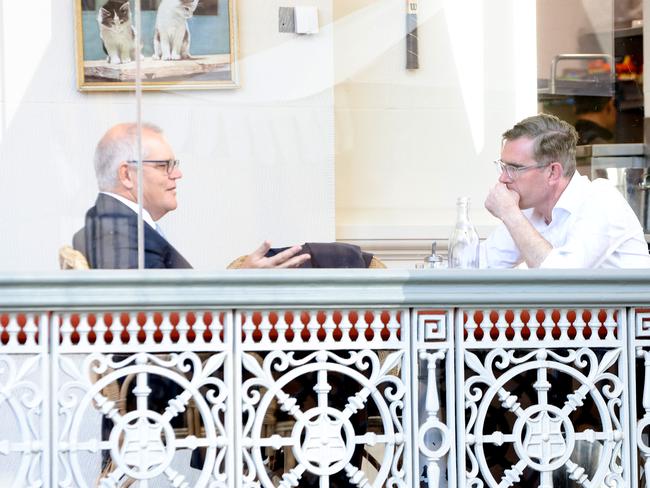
503 178
176 174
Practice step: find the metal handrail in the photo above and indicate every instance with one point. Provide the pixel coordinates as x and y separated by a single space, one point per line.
583 57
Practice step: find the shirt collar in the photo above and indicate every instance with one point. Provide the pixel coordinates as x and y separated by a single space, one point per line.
571 198
146 216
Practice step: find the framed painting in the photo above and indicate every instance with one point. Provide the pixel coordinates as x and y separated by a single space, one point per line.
185 44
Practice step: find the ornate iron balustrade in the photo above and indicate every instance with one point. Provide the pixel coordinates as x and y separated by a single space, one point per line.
325 378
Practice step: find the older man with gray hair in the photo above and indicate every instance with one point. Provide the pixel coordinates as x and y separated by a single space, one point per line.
110 236
551 216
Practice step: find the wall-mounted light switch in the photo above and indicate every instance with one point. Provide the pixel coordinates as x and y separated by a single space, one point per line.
287 22
306 18
301 20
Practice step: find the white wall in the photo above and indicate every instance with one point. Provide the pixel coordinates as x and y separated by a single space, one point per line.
408 143
258 161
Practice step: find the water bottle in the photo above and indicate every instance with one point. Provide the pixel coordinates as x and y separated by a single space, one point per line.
463 243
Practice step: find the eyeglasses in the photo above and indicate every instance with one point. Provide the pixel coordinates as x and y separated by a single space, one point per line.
512 170
169 164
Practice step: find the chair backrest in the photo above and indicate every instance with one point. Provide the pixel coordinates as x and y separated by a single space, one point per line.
70 258
236 263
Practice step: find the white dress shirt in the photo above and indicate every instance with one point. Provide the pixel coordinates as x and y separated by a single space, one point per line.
592 226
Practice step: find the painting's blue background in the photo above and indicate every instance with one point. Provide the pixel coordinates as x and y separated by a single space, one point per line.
210 33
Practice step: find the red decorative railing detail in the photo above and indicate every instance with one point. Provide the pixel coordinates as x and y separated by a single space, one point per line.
540 324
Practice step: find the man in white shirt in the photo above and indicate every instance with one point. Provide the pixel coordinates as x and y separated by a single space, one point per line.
551 216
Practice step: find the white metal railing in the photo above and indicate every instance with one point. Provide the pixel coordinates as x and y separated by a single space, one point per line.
325 378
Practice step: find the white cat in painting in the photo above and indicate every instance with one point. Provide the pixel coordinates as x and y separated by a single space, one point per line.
116 31
171 39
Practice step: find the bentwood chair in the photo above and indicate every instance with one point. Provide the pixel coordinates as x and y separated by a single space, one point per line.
70 258
120 391
273 425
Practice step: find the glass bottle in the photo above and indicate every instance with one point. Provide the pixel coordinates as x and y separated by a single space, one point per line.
464 242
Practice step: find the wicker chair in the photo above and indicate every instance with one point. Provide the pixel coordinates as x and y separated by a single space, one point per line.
70 258
118 392
284 428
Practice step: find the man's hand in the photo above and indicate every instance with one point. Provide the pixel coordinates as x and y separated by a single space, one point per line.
285 259
501 201
504 204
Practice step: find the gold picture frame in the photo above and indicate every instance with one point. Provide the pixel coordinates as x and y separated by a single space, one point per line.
209 63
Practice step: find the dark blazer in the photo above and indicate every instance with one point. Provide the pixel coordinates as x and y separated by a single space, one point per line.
109 239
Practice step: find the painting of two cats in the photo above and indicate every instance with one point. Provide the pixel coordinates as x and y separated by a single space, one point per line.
184 44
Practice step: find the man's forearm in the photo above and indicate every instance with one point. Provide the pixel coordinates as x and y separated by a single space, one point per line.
533 247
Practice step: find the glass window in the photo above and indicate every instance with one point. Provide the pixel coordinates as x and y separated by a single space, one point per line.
286 137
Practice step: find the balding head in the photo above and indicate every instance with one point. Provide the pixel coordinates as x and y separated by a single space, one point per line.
120 143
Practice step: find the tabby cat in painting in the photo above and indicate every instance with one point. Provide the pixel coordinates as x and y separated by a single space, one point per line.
171 39
116 31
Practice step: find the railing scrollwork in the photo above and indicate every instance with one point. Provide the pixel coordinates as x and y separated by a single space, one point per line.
317 379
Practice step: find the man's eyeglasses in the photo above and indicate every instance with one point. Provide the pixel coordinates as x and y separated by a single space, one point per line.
512 170
169 164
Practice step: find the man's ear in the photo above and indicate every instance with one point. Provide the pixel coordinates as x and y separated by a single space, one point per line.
557 171
126 176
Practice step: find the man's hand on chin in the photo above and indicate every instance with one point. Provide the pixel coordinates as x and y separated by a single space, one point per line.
501 201
284 259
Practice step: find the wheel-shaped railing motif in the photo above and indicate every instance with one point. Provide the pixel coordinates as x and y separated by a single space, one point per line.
543 434
142 442
323 439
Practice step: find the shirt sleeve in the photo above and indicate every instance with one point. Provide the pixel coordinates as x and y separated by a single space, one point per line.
601 229
499 250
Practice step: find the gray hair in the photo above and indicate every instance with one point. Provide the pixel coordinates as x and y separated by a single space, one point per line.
119 144
554 140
